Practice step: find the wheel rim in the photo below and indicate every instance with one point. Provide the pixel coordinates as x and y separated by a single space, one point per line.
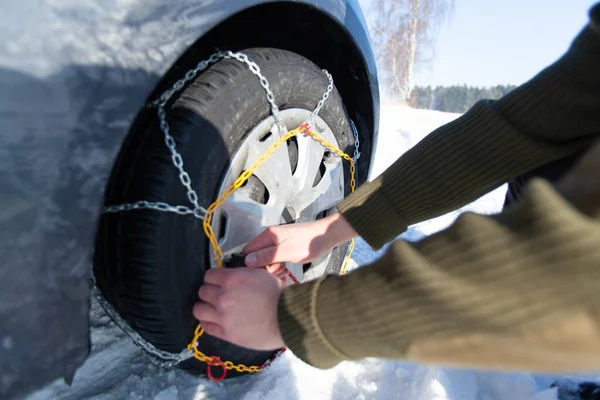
301 181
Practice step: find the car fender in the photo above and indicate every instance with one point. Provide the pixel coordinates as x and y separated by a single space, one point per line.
73 76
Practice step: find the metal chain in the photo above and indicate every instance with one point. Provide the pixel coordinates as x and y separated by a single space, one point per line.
158 206
218 253
178 161
162 101
317 109
190 75
356 142
160 104
158 357
171 359
255 69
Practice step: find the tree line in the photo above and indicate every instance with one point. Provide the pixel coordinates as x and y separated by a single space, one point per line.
456 99
404 33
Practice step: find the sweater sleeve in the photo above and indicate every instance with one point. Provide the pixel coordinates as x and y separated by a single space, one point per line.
554 115
516 276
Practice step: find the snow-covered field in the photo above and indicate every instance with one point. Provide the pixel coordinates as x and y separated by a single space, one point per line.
117 369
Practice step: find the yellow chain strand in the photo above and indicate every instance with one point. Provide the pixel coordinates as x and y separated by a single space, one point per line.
208 231
348 258
218 252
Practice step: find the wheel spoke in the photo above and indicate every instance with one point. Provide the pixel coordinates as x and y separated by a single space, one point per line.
276 172
244 220
273 195
329 191
310 156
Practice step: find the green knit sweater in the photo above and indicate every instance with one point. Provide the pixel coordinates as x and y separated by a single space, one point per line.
517 290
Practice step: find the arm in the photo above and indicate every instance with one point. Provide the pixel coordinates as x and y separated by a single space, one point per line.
516 290
552 116
519 290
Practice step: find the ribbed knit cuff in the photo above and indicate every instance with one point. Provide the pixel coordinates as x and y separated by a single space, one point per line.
498 276
372 215
300 327
347 317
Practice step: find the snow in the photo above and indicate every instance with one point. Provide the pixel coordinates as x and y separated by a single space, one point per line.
117 369
403 127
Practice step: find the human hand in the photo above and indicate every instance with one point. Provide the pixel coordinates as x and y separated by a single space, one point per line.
240 306
280 272
297 243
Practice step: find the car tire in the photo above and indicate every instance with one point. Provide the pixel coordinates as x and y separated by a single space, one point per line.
149 264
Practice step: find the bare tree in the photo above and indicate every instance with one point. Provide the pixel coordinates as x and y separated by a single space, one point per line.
403 34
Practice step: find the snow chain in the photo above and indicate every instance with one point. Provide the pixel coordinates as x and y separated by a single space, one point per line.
206 214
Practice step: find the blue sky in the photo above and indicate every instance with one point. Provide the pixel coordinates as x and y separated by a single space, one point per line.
492 42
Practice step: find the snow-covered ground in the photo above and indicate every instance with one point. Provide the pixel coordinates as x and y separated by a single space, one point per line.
117 369
402 128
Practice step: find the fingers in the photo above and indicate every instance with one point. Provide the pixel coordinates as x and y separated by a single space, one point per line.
213 329
262 257
283 274
245 307
205 313
266 239
208 317
278 271
209 293
274 268
216 276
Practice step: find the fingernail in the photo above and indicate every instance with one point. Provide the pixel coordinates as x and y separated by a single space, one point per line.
251 260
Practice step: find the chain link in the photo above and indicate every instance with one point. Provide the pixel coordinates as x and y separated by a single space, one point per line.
218 252
198 211
305 129
356 142
158 357
255 69
344 268
178 160
210 234
160 104
189 76
321 102
157 206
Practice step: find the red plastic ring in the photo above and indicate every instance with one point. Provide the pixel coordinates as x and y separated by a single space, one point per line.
216 362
